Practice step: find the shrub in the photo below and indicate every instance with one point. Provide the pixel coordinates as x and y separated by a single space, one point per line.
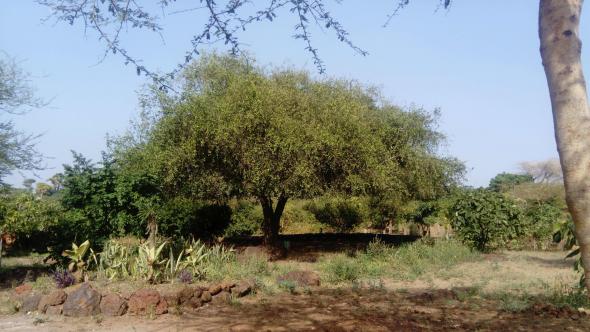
180 217
486 220
415 259
377 249
246 219
341 268
298 220
542 218
343 214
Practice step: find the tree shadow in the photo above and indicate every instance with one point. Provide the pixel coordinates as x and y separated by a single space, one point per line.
307 247
15 275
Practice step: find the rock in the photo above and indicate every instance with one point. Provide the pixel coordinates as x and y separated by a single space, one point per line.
126 294
301 278
198 292
55 310
227 286
113 305
172 296
221 298
30 303
146 301
84 301
243 288
187 293
214 289
56 297
206 296
23 289
194 302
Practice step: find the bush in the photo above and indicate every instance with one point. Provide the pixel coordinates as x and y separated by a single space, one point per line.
542 218
297 219
343 214
181 217
487 220
246 219
341 269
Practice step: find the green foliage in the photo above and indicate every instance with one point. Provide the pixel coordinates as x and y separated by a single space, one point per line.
108 203
239 131
487 220
343 269
194 260
246 219
342 214
118 258
77 256
130 258
29 219
151 261
23 214
506 181
179 217
405 263
542 218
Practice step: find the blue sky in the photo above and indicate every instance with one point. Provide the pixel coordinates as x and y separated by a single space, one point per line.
479 62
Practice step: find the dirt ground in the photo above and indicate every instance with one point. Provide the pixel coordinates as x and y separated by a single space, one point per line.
330 310
442 301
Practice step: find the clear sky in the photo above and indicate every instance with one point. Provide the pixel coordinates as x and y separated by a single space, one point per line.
479 62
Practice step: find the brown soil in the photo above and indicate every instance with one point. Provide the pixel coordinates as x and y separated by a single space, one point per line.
331 310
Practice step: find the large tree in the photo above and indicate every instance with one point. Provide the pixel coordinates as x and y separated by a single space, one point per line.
240 131
559 33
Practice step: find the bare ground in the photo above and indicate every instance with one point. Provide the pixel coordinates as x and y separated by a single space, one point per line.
434 302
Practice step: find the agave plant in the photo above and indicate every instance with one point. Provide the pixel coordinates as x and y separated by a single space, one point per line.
174 266
196 253
150 261
117 260
76 255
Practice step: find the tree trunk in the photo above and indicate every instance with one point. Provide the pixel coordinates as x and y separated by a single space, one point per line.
559 22
272 219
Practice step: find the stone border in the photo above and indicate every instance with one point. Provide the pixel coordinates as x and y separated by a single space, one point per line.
85 300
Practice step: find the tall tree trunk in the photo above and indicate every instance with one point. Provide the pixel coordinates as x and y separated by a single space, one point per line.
272 219
559 22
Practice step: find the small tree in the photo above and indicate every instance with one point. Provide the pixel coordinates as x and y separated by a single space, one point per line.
486 220
238 131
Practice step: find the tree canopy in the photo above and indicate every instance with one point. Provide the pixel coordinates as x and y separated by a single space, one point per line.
506 181
241 131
